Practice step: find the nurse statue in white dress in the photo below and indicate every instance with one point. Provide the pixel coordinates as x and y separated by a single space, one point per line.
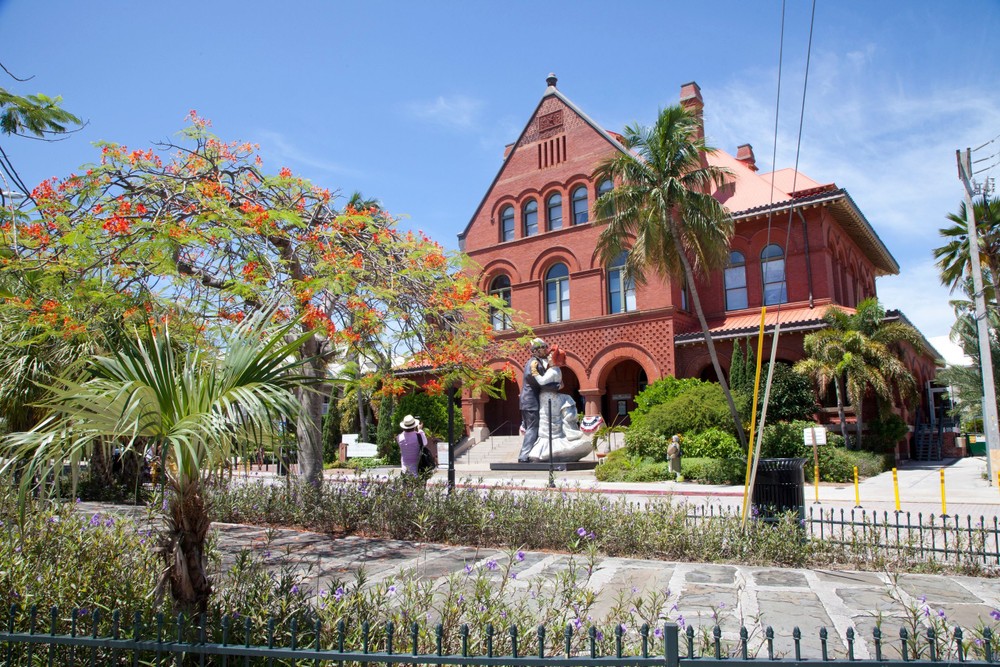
558 412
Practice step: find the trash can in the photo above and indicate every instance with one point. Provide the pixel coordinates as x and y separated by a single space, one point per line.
779 487
977 445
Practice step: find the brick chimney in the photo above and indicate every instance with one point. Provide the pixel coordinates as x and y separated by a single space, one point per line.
745 155
692 101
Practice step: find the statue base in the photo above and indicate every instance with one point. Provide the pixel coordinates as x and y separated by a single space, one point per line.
543 466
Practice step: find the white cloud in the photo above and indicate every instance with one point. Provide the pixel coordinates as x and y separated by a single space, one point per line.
453 111
892 146
278 148
951 352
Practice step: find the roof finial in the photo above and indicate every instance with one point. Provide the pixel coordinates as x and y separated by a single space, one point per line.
551 80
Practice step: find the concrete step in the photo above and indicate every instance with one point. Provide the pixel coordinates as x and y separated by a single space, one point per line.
497 448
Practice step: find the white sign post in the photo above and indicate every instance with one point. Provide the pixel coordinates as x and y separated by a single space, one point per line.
815 435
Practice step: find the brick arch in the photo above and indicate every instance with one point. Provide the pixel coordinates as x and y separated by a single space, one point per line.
497 266
607 358
549 257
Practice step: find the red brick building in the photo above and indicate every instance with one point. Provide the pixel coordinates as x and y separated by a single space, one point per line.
534 236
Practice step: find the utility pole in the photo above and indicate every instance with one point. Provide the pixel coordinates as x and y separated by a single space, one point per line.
990 425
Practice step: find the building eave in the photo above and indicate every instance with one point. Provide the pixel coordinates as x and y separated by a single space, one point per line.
847 214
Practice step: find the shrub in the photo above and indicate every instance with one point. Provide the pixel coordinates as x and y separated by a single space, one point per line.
659 392
432 410
713 443
641 443
784 440
714 471
619 466
385 433
884 433
701 407
836 464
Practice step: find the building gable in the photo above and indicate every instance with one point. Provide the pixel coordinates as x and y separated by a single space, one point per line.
559 144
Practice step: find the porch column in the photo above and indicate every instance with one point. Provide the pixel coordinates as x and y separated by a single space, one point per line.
592 401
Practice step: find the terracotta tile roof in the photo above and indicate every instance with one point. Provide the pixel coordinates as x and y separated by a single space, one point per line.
748 323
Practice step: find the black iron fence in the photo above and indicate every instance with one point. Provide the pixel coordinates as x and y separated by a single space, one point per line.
947 538
27 641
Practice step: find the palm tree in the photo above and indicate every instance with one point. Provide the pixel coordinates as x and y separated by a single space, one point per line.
862 351
661 212
953 259
192 412
823 363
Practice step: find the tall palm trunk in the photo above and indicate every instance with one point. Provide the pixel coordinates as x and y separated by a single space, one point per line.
840 410
183 549
693 292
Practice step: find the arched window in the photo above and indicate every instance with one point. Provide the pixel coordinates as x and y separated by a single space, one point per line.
736 281
500 288
557 294
553 212
621 292
530 217
772 268
507 224
604 186
580 206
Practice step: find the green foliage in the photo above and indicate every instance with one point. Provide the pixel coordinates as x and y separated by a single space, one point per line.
385 433
713 443
432 410
885 432
661 391
792 396
742 368
332 435
713 471
785 440
644 444
621 466
836 464
701 407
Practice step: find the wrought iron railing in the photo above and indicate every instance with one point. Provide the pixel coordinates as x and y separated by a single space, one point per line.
948 538
233 641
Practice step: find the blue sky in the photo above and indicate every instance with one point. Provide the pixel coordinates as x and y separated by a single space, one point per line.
413 102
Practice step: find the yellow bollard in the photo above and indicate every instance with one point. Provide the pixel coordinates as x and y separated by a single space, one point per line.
998 479
944 505
816 480
895 487
857 492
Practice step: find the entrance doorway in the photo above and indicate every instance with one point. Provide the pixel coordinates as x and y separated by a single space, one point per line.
625 380
503 415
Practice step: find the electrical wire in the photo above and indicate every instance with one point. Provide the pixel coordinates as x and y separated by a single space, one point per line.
752 463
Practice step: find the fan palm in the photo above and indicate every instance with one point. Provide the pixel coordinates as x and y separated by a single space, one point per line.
194 413
661 211
862 351
953 259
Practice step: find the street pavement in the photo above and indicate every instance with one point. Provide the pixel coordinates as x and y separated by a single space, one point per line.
731 595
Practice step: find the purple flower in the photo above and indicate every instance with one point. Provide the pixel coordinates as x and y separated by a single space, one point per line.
658 632
391 590
581 531
600 636
53 519
109 522
941 613
680 621
513 575
95 520
491 564
295 589
995 614
520 556
468 569
339 593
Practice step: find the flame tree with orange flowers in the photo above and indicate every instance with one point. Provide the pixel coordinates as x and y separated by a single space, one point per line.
195 236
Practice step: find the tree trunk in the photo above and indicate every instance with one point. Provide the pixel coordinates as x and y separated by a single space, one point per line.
184 549
309 426
693 292
841 413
